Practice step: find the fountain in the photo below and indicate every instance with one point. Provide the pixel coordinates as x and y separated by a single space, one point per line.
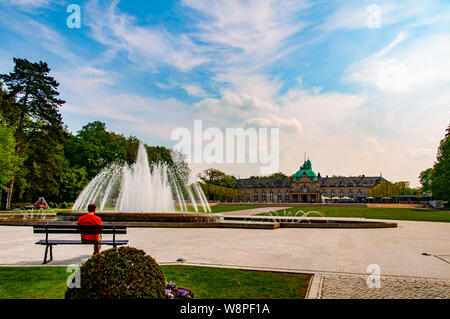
142 192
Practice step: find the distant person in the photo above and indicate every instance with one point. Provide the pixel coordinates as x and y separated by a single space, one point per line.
91 219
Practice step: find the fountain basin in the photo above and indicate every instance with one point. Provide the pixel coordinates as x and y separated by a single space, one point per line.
145 217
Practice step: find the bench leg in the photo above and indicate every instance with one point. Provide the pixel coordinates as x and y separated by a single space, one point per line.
46 253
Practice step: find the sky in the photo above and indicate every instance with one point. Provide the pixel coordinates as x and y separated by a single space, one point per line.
361 87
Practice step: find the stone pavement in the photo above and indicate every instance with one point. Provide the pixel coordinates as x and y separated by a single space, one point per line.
340 286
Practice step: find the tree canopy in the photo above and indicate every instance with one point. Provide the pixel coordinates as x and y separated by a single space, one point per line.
33 111
440 177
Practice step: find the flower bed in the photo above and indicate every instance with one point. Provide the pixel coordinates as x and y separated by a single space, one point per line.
174 292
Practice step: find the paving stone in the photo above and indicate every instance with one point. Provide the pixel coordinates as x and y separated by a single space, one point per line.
355 287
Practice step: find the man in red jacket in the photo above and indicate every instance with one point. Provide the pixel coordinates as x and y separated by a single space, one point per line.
91 219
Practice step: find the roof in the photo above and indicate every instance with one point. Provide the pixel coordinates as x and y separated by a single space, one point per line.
352 181
307 170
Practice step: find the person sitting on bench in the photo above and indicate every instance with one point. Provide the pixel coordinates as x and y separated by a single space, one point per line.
91 219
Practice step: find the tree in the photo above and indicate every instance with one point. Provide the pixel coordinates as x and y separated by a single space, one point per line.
217 177
440 179
8 159
274 175
425 179
72 181
94 148
36 102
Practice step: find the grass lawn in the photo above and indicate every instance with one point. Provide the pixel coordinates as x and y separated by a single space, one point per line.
205 282
373 213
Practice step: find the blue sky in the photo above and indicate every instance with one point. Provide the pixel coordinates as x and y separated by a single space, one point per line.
358 99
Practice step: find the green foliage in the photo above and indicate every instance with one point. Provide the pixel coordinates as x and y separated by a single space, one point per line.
34 97
216 177
94 148
425 180
388 189
440 179
220 193
219 186
33 111
42 165
274 175
8 159
72 181
124 273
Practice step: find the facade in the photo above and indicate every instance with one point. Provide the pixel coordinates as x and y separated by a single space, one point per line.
307 187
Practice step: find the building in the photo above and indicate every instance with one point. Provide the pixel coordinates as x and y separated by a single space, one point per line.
307 187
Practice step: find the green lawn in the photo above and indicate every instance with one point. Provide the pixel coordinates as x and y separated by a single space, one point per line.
373 213
221 283
205 282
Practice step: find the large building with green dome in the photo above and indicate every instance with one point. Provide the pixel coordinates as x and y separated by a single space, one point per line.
307 187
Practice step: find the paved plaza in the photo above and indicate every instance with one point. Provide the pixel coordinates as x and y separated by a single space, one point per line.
338 257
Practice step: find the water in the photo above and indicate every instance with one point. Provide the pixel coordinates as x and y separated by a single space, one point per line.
141 188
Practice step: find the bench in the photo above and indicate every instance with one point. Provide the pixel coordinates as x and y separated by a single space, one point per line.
76 229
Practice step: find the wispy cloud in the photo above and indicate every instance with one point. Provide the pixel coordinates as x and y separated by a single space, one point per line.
406 69
147 46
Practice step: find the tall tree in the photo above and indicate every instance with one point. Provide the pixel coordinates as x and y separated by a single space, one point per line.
425 179
36 102
8 160
440 180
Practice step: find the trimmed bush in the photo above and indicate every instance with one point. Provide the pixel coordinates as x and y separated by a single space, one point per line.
123 273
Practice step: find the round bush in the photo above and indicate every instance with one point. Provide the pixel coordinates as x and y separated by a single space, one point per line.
123 273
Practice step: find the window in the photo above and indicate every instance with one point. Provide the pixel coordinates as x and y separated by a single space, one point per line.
255 197
263 197
286 197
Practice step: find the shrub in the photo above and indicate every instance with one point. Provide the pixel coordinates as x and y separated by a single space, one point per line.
123 273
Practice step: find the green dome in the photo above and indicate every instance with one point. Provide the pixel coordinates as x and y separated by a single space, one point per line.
305 169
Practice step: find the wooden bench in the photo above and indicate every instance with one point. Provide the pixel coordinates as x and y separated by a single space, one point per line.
75 229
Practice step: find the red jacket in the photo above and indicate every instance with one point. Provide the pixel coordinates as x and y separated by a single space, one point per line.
90 219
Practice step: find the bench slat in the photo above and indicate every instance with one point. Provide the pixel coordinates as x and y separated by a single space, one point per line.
79 231
79 242
79 226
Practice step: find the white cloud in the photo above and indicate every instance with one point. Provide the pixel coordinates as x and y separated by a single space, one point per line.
147 46
48 38
29 3
422 64
194 90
